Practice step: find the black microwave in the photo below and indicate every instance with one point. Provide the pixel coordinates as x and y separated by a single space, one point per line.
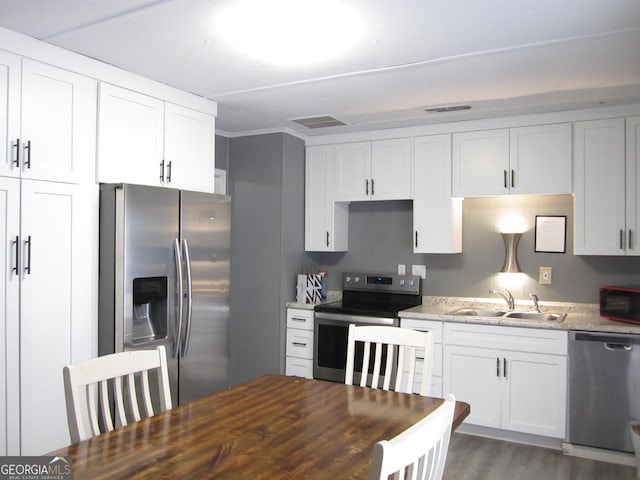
620 303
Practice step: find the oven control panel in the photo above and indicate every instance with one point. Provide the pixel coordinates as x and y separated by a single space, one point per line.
408 284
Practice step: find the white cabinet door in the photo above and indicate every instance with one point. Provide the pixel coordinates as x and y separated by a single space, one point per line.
390 169
9 113
9 316
481 163
437 217
189 149
599 187
540 159
58 124
326 222
534 394
352 171
473 376
130 137
56 304
633 185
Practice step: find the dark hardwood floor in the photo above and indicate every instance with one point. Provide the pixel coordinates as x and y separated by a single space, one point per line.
477 458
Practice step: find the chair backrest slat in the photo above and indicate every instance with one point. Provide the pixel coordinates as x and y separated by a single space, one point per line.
405 342
125 373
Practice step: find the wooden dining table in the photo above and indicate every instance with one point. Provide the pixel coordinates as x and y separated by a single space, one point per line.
273 427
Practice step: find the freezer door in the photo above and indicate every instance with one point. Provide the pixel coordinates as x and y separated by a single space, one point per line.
205 240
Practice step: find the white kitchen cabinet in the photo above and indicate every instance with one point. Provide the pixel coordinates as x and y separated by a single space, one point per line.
540 159
515 378
48 296
437 216
9 317
299 348
143 140
48 122
189 148
378 170
602 185
9 112
525 160
436 366
326 221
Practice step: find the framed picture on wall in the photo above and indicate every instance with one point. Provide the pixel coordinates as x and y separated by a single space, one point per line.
551 234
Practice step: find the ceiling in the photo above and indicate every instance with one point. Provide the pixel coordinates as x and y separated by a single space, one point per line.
502 57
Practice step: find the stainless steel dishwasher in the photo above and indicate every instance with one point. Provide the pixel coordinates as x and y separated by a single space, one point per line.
604 389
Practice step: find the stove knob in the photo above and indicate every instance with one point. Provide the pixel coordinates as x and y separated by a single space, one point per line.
401 283
347 280
356 280
411 283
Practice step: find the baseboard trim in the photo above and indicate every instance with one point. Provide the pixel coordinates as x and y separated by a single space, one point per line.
599 454
509 436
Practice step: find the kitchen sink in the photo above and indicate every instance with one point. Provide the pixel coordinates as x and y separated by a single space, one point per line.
478 312
554 317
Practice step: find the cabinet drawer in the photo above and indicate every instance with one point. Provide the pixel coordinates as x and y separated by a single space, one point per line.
536 340
299 343
300 319
299 367
436 368
424 325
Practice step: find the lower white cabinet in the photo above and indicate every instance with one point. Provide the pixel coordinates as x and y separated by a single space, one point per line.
299 349
514 378
49 291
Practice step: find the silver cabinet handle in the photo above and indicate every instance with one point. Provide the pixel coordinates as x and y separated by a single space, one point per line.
16 268
187 331
177 323
17 147
28 245
27 147
162 171
169 172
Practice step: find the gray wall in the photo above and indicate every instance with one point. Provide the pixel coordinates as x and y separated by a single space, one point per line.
266 183
380 239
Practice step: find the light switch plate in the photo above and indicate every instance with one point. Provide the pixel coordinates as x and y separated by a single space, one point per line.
420 270
545 276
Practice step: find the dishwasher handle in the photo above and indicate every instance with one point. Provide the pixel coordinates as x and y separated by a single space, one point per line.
618 347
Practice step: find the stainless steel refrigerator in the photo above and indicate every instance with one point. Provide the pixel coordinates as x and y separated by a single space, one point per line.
164 280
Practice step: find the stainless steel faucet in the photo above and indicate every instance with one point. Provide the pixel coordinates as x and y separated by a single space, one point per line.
506 294
535 302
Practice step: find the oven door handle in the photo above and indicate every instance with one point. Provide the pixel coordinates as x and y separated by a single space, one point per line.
348 318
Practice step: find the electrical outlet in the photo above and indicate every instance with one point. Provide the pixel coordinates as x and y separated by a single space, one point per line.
545 276
419 270
402 269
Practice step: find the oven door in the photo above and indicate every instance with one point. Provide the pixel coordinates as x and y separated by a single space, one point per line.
330 344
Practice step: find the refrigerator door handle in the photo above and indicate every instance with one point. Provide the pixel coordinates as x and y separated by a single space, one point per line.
187 334
177 323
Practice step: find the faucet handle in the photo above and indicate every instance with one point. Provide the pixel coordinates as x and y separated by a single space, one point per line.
534 297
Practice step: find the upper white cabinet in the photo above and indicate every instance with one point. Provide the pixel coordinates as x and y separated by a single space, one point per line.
326 221
437 217
607 201
523 160
143 140
48 122
378 170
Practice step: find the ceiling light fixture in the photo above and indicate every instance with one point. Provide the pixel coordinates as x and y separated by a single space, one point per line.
290 32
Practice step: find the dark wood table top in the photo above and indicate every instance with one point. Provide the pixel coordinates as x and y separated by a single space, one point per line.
273 427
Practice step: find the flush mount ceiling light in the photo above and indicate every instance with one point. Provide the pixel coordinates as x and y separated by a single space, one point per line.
290 32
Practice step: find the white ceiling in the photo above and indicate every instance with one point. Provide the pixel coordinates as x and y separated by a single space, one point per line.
502 57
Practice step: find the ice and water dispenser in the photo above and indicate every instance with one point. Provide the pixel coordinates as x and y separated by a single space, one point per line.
149 309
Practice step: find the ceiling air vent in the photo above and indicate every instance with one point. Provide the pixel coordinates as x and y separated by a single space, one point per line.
450 108
319 122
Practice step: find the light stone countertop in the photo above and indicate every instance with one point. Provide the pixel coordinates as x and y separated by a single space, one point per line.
580 316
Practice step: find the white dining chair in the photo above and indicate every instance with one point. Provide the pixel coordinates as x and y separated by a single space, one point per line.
92 387
418 453
408 344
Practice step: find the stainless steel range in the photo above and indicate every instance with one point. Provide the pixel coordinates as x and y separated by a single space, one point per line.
367 299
